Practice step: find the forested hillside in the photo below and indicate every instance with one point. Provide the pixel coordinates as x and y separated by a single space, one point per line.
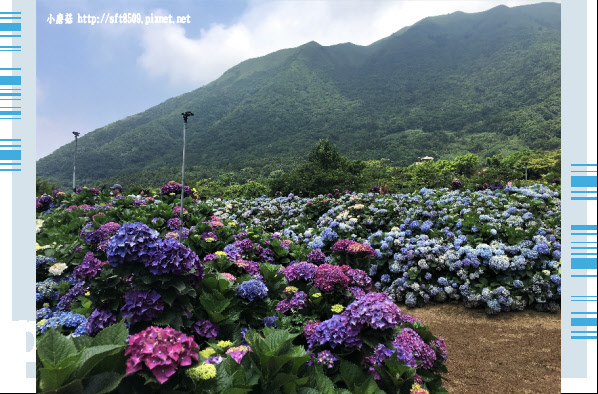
485 83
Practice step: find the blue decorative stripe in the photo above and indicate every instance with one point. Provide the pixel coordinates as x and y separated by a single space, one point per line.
10 80
584 227
10 27
10 154
583 181
583 322
583 264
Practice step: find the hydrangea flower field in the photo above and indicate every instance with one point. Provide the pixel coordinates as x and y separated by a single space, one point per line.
285 294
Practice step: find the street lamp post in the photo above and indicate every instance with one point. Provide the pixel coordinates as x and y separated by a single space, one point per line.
76 134
185 116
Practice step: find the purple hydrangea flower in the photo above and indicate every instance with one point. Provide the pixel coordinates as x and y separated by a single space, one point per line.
238 352
77 290
134 242
299 271
374 309
209 234
206 329
174 223
409 340
215 360
359 278
245 245
174 187
89 267
99 319
335 331
439 347
316 257
295 303
310 328
251 267
232 252
405 318
326 358
265 255
240 236
142 305
103 233
172 257
382 353
356 292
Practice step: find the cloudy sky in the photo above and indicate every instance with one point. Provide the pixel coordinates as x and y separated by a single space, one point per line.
91 75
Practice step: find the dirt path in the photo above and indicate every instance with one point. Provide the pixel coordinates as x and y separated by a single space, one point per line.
518 352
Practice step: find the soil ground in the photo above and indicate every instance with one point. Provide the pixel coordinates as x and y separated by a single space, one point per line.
516 352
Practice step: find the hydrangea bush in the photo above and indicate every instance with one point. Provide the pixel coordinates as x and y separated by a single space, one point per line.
282 294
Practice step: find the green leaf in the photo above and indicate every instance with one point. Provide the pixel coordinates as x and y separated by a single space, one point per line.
210 283
367 387
53 378
308 390
116 334
234 390
281 379
276 340
350 373
325 385
74 387
102 383
53 347
93 355
179 285
213 303
82 341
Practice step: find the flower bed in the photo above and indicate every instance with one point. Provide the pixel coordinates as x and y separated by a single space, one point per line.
123 304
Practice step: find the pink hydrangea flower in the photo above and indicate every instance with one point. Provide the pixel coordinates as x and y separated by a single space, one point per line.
327 276
162 350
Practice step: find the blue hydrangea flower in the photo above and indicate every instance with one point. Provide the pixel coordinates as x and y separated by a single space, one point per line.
252 290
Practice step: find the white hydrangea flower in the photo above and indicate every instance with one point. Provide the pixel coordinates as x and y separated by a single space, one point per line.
57 269
38 225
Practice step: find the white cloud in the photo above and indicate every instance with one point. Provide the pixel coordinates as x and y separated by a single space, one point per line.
267 26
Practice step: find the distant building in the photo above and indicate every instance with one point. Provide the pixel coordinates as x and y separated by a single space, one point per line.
424 159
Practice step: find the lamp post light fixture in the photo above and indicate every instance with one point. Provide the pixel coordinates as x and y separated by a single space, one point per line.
185 116
76 134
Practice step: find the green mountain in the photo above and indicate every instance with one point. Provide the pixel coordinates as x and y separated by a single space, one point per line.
484 83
